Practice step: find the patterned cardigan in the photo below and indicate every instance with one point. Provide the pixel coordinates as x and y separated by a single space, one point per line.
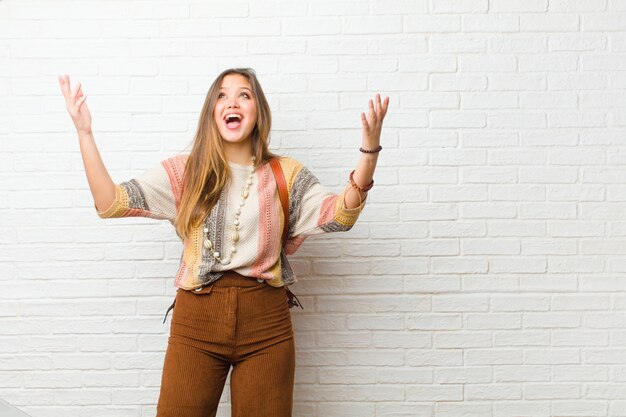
313 209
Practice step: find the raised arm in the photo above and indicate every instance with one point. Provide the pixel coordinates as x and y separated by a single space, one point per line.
364 172
100 183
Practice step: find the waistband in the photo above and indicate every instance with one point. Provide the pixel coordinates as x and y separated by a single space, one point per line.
235 279
229 279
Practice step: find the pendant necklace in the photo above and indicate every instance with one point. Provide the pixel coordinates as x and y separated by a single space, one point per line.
236 224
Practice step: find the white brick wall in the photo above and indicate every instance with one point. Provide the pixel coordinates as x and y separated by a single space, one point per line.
485 277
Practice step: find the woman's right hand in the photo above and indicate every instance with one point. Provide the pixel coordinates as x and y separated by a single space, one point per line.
76 105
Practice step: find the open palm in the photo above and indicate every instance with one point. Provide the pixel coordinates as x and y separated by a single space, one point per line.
373 122
76 105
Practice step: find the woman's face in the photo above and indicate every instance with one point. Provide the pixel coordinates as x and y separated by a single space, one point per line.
235 97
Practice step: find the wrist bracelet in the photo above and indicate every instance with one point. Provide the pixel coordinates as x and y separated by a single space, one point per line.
371 150
356 187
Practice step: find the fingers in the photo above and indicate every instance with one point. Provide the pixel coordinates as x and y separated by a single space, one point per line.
80 102
380 110
70 97
383 106
80 96
75 91
65 83
372 111
364 122
74 98
377 112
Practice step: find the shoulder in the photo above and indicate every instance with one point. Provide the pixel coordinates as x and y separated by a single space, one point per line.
291 167
175 168
296 173
179 160
289 162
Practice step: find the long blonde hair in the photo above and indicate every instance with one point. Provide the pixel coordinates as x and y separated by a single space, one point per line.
207 170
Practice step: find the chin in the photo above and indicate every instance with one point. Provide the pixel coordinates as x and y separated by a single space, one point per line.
236 139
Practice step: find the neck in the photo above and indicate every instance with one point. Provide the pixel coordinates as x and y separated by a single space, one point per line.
239 153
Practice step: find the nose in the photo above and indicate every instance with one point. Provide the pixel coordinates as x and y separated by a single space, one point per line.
232 102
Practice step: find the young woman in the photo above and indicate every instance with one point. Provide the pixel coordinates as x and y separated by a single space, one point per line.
224 200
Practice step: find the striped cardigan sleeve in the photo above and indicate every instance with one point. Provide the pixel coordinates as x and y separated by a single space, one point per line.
155 193
315 209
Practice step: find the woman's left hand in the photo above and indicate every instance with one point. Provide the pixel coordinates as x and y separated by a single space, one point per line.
373 124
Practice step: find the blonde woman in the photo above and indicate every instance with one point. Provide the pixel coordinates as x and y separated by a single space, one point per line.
224 200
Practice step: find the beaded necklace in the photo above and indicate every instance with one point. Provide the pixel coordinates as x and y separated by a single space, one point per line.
236 225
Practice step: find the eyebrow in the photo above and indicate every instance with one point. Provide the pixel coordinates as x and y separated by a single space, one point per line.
239 88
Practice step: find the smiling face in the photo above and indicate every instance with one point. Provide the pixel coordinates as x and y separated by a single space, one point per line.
235 110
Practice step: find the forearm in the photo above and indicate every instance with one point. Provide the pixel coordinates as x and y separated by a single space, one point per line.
100 183
363 175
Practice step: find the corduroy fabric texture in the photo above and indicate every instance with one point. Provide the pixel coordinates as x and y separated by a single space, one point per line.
235 321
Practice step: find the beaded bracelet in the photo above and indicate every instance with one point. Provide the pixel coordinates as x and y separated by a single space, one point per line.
378 149
364 189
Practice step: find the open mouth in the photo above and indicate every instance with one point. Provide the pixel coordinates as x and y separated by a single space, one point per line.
233 120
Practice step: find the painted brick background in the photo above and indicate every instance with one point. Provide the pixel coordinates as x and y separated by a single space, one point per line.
484 278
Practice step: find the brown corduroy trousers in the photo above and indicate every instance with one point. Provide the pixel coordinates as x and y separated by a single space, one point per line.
236 321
